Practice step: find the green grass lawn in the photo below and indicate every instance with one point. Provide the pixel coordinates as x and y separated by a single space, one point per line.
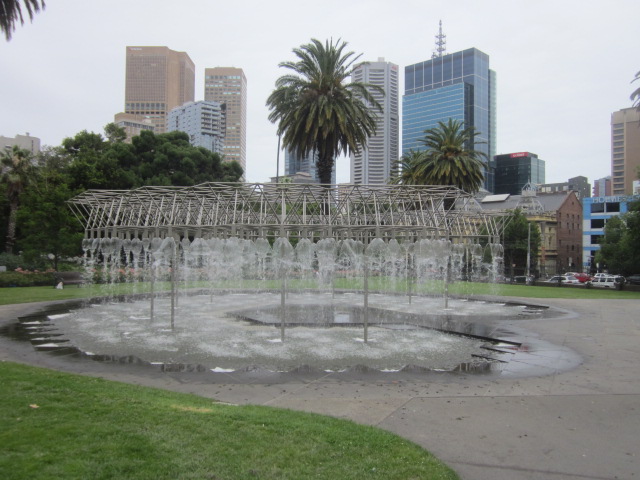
63 426
41 294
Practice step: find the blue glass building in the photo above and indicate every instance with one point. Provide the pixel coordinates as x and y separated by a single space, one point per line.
457 85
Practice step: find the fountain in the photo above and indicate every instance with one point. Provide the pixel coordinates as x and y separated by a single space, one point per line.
243 274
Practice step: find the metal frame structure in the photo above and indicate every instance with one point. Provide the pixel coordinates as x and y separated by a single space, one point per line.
254 210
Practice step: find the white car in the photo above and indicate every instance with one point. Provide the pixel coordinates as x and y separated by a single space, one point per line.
565 279
606 281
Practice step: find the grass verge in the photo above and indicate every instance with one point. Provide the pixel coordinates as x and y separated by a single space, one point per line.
58 425
42 294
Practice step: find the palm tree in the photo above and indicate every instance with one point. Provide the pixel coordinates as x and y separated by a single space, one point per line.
408 168
17 173
317 111
448 160
11 12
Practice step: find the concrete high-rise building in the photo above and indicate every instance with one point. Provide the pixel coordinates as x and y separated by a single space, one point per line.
375 163
602 187
515 170
157 80
457 85
625 150
203 121
228 85
25 142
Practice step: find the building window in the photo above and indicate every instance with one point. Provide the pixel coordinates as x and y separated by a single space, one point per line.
597 208
597 223
613 207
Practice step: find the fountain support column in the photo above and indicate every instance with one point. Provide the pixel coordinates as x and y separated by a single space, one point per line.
366 299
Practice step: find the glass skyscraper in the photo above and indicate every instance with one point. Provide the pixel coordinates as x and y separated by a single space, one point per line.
457 85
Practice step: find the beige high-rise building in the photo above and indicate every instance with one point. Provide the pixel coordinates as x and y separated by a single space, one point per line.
625 150
157 80
228 85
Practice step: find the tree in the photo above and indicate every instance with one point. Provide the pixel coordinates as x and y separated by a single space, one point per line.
517 242
47 225
449 158
114 133
11 12
317 111
408 168
18 172
620 247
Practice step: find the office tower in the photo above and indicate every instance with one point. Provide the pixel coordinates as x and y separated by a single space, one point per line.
132 124
515 170
625 150
457 85
228 85
602 187
203 121
375 163
157 80
25 142
307 165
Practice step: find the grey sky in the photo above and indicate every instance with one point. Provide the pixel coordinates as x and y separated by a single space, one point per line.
562 66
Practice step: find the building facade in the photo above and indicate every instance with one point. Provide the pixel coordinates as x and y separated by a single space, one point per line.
158 79
203 121
625 150
458 85
515 170
602 187
559 218
596 212
374 165
579 184
132 124
25 142
228 85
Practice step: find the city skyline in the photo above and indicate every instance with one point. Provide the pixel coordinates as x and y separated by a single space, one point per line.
563 69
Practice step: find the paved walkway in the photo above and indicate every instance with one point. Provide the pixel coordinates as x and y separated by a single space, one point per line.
582 423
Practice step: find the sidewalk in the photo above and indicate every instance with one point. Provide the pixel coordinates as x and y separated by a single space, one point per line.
582 423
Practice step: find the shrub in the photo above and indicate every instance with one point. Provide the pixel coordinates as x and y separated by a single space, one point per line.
26 279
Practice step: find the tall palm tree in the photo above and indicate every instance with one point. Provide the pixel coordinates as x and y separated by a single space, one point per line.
408 168
11 12
317 111
17 173
449 158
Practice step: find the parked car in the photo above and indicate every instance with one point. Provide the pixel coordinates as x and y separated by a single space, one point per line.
634 279
564 279
583 277
608 281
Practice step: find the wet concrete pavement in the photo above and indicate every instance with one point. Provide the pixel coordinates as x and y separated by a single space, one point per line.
580 423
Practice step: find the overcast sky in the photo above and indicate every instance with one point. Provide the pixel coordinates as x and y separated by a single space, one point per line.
563 66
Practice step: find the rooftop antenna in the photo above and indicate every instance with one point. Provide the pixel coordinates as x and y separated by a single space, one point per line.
441 43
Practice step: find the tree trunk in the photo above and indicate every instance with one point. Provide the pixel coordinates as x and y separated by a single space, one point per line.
11 226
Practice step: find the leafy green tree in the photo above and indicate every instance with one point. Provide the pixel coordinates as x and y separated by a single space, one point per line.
317 110
11 12
114 133
517 242
46 225
17 172
620 247
449 157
